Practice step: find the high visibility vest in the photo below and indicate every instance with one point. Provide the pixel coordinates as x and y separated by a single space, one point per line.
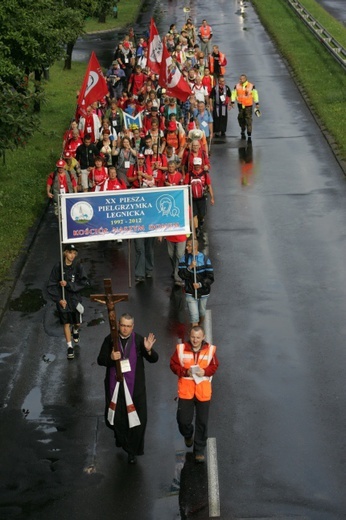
205 31
187 388
244 94
222 58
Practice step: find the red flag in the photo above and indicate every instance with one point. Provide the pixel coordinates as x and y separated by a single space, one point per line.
172 79
94 86
154 49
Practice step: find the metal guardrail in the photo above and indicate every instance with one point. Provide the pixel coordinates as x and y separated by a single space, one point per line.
334 47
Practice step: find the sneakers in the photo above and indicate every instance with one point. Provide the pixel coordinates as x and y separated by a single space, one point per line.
70 353
75 336
243 135
188 441
139 279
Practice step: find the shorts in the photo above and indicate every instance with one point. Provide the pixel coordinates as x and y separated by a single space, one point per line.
72 318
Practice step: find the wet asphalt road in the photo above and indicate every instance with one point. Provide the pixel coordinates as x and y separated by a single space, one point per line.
276 237
337 8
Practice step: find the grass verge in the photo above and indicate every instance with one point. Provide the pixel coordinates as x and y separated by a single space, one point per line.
321 78
24 175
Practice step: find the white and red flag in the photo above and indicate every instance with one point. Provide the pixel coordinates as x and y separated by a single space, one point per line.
154 49
172 79
94 86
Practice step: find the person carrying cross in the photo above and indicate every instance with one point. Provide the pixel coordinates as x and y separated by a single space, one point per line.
126 402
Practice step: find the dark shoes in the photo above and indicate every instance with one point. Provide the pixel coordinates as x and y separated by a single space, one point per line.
131 458
139 279
243 135
70 353
188 441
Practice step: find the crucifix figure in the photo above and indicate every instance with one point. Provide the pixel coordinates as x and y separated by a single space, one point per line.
110 300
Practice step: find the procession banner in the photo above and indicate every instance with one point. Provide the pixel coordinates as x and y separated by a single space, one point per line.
135 213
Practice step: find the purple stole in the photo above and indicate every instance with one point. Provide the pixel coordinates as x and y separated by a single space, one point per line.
131 353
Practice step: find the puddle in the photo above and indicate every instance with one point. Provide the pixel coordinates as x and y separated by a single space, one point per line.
48 358
32 406
3 356
95 321
31 300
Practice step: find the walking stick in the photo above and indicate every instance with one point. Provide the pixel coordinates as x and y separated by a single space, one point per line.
60 246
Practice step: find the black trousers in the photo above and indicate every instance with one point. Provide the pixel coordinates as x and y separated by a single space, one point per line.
185 414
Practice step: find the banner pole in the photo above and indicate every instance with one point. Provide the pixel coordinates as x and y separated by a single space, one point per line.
193 239
60 245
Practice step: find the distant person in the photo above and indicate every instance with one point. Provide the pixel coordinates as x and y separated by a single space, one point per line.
133 348
220 97
245 95
64 286
194 362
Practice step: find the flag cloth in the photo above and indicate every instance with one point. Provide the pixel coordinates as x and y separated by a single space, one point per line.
172 79
131 410
132 120
94 86
154 49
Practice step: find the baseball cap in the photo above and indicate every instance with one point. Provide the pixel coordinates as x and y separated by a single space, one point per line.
67 155
140 156
197 161
60 164
70 247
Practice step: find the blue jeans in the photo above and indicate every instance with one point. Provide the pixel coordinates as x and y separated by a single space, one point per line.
197 307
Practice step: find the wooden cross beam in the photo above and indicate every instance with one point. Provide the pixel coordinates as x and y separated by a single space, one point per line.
110 300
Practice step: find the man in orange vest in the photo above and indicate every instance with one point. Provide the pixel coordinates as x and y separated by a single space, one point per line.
205 34
217 62
194 362
245 94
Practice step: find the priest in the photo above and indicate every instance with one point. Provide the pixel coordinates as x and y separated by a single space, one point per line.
126 403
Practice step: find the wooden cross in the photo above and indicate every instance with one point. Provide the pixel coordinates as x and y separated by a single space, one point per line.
110 300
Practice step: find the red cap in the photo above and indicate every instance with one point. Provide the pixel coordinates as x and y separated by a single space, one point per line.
67 155
140 156
60 164
126 45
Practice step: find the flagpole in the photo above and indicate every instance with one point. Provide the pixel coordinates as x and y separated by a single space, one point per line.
193 238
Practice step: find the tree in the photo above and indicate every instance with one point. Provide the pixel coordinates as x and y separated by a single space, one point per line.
33 35
103 8
82 9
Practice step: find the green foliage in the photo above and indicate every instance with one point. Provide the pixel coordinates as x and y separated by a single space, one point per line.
18 121
24 175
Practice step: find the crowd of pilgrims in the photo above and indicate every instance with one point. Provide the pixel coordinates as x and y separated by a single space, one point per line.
172 144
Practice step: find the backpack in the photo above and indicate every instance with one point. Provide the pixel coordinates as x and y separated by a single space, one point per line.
197 186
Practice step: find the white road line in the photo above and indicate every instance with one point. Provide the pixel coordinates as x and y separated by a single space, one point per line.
207 325
213 479
213 473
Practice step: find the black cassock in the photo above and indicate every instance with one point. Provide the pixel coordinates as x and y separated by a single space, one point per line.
130 439
220 108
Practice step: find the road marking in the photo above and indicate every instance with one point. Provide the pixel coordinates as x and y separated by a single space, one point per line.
213 479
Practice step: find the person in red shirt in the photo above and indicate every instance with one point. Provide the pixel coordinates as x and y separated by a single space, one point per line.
140 175
59 182
197 178
173 177
73 142
112 183
137 81
158 163
97 175
190 153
